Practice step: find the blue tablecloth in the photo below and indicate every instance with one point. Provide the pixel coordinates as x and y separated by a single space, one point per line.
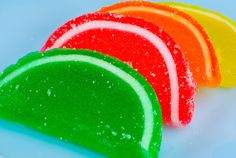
24 27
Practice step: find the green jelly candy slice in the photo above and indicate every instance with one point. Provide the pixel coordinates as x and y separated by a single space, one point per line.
85 98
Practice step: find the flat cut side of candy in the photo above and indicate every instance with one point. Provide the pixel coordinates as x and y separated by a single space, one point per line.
143 46
85 98
185 31
222 32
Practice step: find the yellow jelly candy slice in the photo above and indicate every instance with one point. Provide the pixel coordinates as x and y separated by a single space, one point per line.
222 32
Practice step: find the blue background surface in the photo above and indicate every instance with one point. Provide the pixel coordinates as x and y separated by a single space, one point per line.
25 26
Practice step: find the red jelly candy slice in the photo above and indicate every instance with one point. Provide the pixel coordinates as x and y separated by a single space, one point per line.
144 46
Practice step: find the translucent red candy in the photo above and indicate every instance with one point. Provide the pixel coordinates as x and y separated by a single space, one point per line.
142 45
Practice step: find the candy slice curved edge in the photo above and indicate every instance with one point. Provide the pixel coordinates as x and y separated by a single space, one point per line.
151 138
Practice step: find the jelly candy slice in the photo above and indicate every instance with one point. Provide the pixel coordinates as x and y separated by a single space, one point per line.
84 98
142 45
185 31
218 27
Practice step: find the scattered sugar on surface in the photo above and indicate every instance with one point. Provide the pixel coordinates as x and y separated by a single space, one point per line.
108 126
168 43
60 138
114 133
176 47
165 89
129 63
190 79
126 136
155 113
122 128
160 30
27 78
99 133
152 74
17 86
118 15
49 92
73 26
175 51
45 124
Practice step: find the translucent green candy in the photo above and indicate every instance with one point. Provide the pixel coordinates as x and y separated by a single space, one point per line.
85 98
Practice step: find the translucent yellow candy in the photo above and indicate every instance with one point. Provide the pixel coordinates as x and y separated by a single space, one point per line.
222 32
